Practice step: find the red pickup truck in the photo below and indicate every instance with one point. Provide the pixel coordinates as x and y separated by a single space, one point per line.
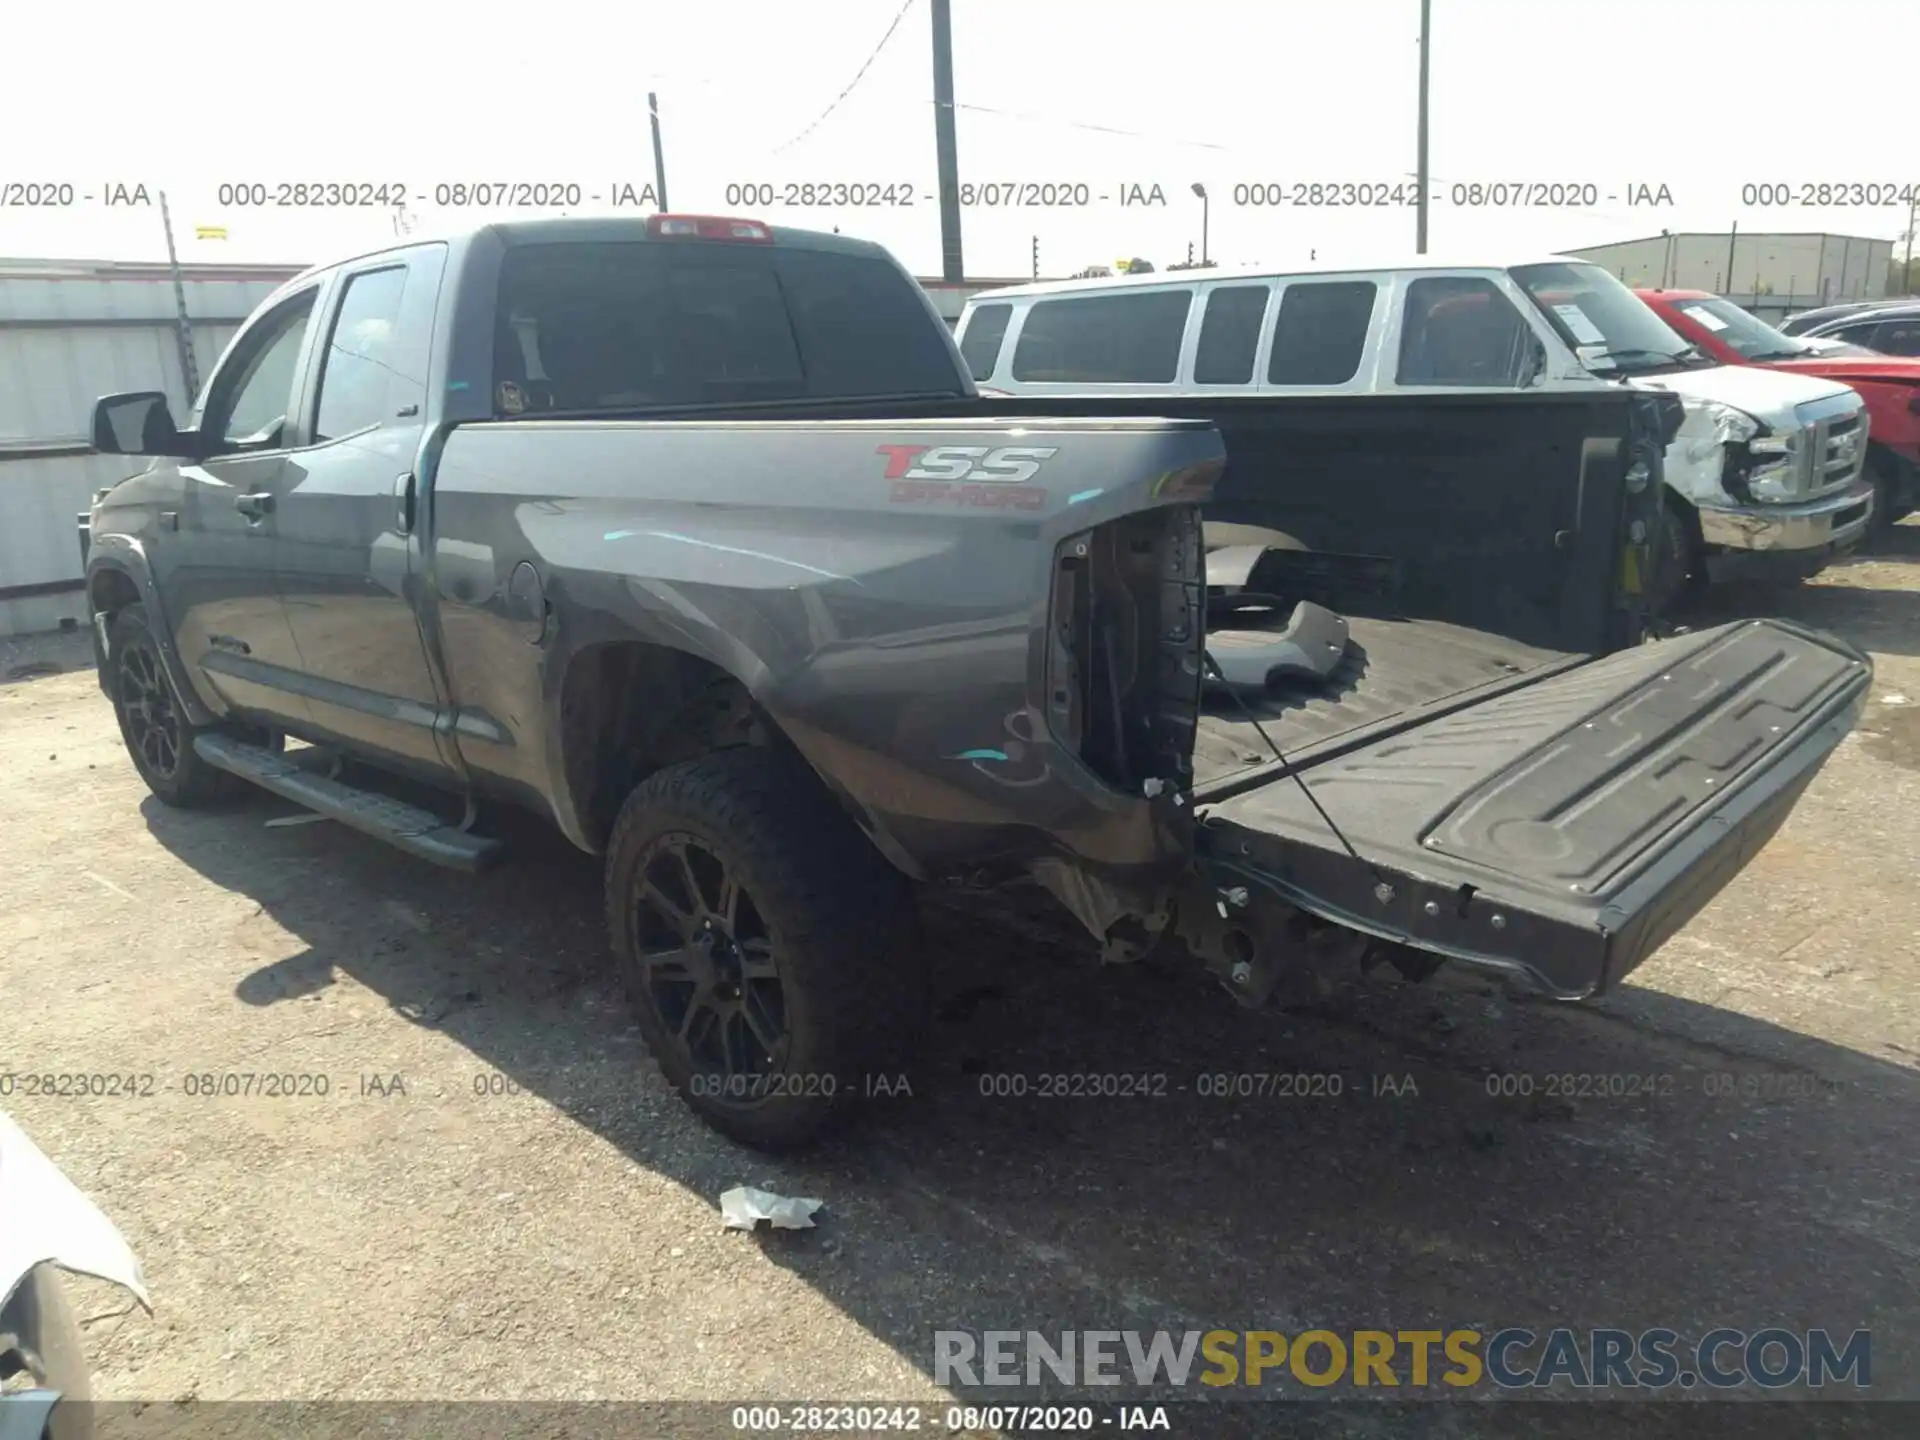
1888 384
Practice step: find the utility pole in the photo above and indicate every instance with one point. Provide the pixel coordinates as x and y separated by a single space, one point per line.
1733 237
659 164
1420 164
1913 211
952 269
1036 257
183 331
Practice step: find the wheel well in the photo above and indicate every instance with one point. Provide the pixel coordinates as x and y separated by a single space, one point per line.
1897 483
1680 514
629 708
111 591
1677 567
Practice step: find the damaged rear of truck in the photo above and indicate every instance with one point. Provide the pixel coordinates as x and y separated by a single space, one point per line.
1485 758
697 538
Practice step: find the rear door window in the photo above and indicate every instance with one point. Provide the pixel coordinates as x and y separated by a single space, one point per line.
1862 332
1321 332
1229 334
1897 337
1104 339
651 323
980 346
1461 330
357 368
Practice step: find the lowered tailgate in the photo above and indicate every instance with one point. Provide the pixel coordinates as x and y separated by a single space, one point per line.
1567 828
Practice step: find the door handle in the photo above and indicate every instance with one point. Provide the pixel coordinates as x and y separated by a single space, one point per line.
403 491
254 505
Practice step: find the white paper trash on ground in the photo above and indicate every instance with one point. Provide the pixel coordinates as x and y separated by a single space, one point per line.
742 1207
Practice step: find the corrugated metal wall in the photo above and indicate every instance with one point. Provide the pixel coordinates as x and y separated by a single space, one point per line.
50 376
70 333
1771 273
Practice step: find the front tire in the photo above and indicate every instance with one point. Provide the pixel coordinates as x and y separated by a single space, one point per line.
154 724
1883 470
769 952
1679 569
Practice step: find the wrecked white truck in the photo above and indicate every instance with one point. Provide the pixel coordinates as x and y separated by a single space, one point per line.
694 536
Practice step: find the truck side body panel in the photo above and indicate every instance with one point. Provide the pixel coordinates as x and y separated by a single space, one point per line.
893 627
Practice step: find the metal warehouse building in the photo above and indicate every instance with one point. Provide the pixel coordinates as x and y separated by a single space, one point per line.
70 332
1772 275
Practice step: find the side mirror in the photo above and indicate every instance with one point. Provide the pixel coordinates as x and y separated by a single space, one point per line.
139 422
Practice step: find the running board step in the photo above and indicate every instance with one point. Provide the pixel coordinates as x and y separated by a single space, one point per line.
409 828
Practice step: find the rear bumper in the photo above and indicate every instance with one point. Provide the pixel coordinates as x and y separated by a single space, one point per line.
1796 533
1562 831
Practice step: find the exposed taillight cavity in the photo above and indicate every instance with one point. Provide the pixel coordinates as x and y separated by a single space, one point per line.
708 227
1125 635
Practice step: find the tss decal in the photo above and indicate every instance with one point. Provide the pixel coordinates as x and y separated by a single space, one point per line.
1007 465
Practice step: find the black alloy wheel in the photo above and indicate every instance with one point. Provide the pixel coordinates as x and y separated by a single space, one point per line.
710 970
771 956
154 724
147 715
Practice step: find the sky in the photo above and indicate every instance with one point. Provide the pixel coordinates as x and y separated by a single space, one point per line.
1646 114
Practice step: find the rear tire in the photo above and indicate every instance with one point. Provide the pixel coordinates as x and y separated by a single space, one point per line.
770 954
154 723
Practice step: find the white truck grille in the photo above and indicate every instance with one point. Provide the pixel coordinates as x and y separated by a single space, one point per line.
1833 443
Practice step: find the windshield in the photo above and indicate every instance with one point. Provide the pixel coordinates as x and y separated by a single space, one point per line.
1751 336
1605 323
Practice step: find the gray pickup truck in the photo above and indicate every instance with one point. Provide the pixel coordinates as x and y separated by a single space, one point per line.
694 536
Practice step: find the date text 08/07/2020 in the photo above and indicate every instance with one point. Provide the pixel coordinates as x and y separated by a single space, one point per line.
558 194
325 193
135 1083
1070 193
1060 193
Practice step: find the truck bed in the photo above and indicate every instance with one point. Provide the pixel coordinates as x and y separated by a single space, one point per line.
1392 669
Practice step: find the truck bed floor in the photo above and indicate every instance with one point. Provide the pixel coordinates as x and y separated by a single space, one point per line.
1391 667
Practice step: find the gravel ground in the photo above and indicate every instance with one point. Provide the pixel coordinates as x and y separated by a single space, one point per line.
496 1198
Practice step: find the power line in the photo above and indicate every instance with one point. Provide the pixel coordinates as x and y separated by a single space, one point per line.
1088 125
851 83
